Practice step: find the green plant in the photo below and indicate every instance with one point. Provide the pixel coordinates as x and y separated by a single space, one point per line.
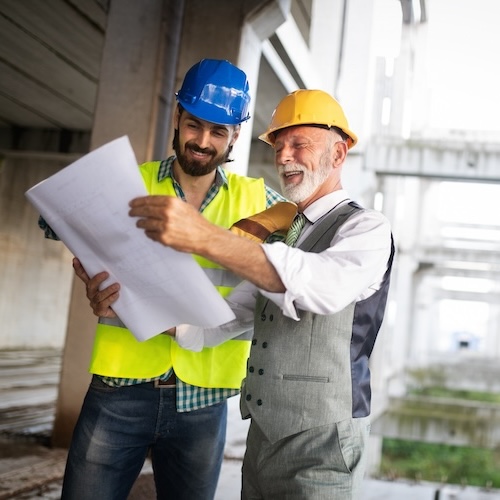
433 462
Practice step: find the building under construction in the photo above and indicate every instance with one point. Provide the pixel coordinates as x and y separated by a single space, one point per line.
76 74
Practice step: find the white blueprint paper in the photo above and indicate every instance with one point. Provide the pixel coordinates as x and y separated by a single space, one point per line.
86 204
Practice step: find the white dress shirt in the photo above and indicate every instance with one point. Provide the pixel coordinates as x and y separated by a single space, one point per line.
351 269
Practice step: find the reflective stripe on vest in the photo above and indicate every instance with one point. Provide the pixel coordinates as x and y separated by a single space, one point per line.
117 353
222 277
218 277
112 322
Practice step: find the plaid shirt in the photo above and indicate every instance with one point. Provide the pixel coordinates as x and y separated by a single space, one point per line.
188 397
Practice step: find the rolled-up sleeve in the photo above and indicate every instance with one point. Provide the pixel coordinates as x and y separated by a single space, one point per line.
242 303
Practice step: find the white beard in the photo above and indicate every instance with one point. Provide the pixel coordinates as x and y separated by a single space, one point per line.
311 180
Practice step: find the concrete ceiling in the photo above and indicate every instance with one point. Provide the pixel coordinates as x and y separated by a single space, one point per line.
50 54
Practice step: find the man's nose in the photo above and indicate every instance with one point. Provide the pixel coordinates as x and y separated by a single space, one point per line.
203 138
284 155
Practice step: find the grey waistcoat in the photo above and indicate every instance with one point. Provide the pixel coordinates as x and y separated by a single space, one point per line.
312 372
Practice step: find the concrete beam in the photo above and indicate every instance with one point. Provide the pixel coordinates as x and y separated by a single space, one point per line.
442 159
440 420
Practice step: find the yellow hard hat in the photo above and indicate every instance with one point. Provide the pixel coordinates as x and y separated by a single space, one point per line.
308 107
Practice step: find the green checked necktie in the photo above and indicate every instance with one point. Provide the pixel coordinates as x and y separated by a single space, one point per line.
295 229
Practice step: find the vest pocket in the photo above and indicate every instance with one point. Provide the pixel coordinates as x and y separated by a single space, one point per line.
306 378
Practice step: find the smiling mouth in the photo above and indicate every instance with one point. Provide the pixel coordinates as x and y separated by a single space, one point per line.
287 176
200 154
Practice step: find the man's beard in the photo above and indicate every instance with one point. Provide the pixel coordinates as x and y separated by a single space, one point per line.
311 179
193 167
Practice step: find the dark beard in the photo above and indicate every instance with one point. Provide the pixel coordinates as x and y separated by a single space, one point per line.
193 167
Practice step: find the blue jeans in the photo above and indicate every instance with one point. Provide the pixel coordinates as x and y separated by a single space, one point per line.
118 427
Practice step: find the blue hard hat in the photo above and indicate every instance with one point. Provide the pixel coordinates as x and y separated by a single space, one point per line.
216 91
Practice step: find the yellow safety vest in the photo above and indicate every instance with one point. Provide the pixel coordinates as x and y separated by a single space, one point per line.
117 353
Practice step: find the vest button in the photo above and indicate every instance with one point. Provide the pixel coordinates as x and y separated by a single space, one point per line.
261 371
251 369
259 402
263 317
254 341
248 397
271 317
264 345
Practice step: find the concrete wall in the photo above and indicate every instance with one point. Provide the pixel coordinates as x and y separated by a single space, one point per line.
35 273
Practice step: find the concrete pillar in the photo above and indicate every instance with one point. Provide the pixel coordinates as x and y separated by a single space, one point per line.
405 222
374 458
357 68
423 342
491 345
127 104
260 24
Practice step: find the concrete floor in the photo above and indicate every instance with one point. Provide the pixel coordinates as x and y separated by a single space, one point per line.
30 470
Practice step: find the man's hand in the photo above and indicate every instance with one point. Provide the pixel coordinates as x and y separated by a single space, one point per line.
100 300
175 223
170 332
172 222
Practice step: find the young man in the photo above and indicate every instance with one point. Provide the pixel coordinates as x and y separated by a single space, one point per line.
321 303
153 396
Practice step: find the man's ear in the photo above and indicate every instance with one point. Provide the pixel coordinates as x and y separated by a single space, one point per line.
339 153
177 117
236 134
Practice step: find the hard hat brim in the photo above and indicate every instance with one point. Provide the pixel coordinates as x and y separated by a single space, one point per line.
269 136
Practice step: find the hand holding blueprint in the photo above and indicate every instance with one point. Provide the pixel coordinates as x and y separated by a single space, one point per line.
86 204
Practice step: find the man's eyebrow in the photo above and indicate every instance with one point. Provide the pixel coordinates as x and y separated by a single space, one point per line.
298 137
219 127
213 126
192 118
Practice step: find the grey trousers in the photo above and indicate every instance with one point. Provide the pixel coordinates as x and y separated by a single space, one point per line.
324 463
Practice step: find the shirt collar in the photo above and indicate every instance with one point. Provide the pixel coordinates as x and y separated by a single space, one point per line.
166 170
326 203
